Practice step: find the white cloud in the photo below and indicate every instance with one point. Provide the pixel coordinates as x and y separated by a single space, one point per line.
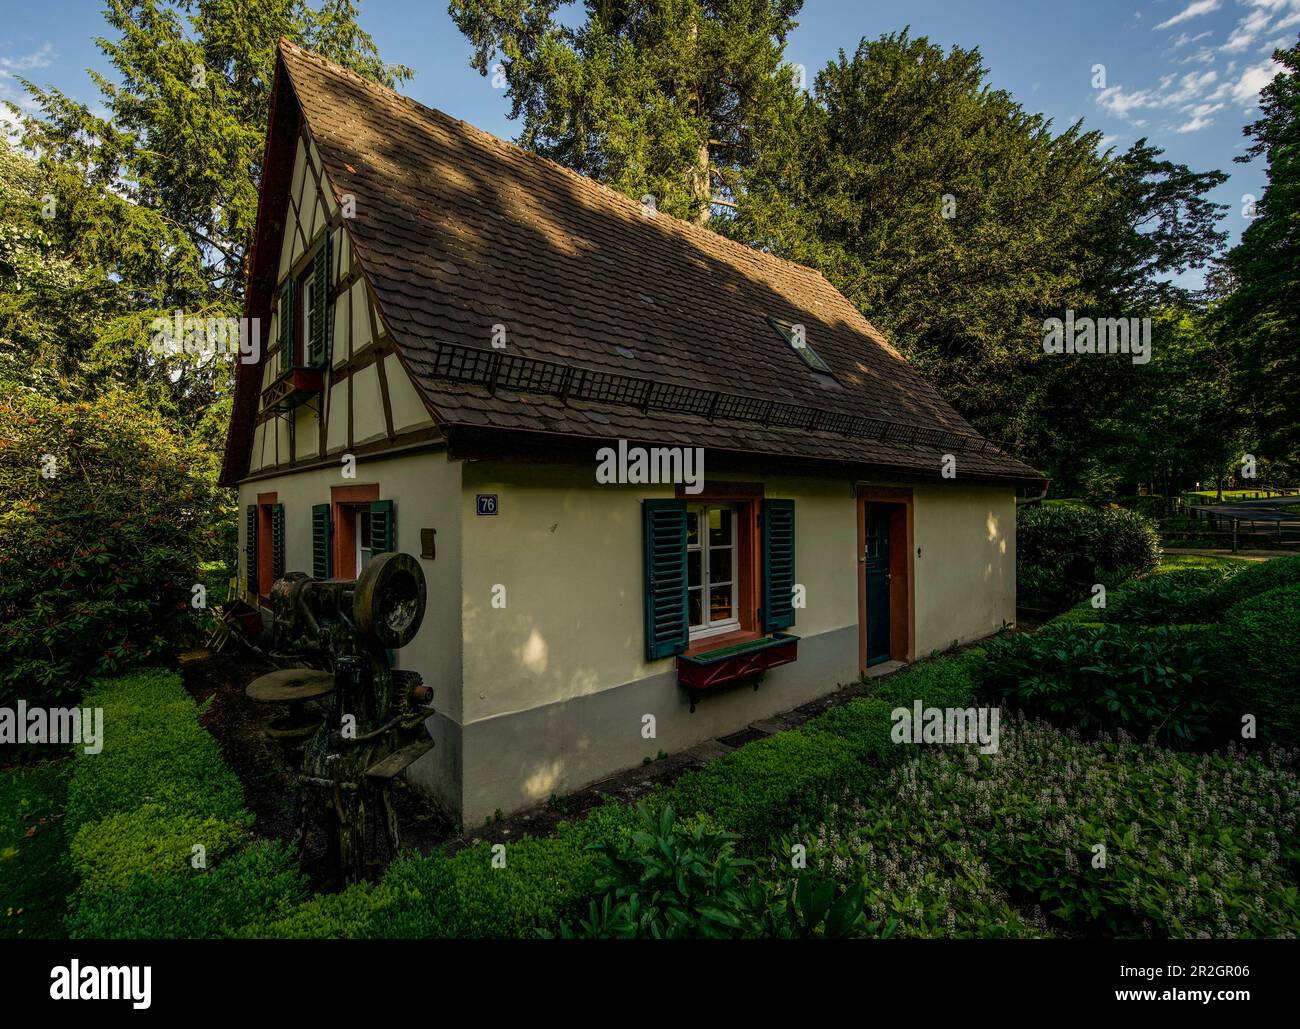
1183 38
1192 10
1200 117
1247 30
27 62
1245 89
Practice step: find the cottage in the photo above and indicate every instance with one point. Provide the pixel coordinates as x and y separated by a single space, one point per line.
460 333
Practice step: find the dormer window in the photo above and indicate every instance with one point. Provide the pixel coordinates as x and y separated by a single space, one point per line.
797 337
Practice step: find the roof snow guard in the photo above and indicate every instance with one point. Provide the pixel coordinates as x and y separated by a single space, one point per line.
498 370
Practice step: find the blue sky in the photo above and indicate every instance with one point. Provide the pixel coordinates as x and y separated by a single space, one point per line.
1185 73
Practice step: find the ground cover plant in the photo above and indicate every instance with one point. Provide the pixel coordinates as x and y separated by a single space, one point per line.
157 831
35 872
1106 838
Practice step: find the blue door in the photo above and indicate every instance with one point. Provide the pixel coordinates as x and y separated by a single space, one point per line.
876 559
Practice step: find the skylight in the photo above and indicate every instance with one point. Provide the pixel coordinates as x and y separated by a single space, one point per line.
797 337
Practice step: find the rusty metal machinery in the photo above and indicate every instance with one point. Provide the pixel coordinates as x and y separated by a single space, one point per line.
340 635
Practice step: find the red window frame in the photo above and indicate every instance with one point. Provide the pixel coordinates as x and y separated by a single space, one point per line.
747 498
346 502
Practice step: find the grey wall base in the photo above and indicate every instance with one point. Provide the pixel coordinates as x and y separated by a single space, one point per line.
516 760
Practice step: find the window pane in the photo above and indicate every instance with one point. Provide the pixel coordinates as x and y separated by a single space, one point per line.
720 526
697 614
693 568
720 604
720 565
363 526
692 529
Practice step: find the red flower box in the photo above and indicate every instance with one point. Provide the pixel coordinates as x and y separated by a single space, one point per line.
736 663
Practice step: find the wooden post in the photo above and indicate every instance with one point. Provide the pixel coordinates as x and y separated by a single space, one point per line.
1234 535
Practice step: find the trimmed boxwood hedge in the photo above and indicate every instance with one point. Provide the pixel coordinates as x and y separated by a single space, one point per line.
138 808
1257 657
1259 578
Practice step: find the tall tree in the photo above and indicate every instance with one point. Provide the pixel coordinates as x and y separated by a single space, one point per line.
950 216
1261 316
161 192
1158 221
669 99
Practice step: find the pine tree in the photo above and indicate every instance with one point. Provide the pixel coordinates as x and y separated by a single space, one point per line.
663 99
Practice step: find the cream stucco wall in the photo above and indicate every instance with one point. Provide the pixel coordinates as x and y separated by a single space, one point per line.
556 682
550 692
965 574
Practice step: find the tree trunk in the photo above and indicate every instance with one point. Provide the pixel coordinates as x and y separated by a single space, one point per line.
701 187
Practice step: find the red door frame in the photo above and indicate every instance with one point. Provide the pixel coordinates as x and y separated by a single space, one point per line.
265 545
902 591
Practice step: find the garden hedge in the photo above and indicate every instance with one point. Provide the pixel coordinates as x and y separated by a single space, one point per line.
137 810
1258 658
1257 578
1061 550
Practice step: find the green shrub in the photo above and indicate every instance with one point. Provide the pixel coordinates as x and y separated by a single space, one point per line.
765 788
1194 845
1062 550
1257 578
98 559
1178 597
672 882
758 791
355 913
1257 657
255 886
1144 681
108 854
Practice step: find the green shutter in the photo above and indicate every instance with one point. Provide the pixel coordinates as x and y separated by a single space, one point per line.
277 541
667 618
318 347
250 548
383 526
286 326
778 564
322 557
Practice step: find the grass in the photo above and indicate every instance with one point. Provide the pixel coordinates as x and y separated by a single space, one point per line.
35 870
1174 562
1230 496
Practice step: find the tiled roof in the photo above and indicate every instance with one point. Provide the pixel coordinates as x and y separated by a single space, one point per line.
458 231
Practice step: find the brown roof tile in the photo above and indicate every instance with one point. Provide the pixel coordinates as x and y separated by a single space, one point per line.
458 231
